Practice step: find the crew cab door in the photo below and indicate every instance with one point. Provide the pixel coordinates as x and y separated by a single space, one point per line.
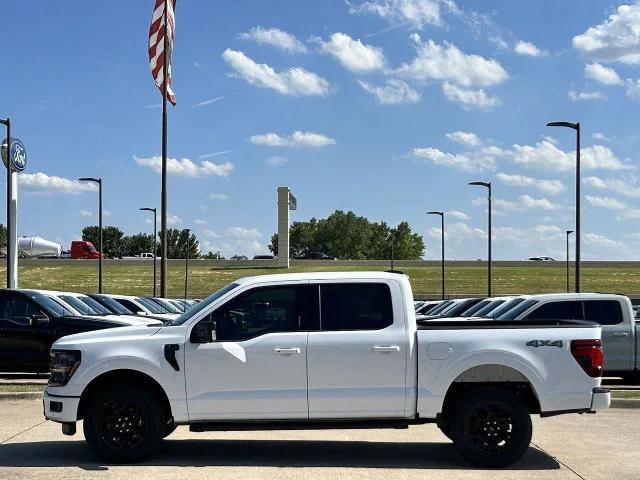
255 366
357 361
616 334
24 344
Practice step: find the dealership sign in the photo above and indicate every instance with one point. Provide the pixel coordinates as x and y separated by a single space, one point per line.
17 155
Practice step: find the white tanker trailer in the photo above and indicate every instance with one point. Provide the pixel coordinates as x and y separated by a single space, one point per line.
34 247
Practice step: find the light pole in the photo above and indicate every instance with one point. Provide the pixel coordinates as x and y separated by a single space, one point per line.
186 262
442 220
488 186
155 236
99 182
569 232
7 123
576 127
393 240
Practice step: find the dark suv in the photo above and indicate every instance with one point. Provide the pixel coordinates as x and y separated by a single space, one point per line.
29 324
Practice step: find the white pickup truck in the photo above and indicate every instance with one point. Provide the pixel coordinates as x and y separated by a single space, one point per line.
323 350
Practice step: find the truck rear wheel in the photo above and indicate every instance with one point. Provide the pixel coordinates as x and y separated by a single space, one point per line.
123 424
491 427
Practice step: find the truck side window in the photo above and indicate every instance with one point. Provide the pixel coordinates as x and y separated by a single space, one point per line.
604 312
355 306
571 310
260 311
17 309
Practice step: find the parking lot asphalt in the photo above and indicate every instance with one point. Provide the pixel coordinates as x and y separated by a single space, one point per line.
602 446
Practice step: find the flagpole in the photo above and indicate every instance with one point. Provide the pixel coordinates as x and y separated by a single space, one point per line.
163 194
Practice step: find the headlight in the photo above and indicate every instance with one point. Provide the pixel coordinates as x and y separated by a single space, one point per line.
63 365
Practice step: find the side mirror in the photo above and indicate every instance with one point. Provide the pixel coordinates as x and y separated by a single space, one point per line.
204 332
38 320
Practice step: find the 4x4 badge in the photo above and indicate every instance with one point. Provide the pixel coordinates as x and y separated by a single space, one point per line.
544 343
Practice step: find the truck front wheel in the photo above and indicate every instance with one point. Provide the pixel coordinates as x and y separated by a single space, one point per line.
491 427
124 423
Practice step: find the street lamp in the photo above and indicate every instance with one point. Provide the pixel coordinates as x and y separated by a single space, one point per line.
576 127
10 254
155 235
569 232
99 182
186 262
488 186
442 220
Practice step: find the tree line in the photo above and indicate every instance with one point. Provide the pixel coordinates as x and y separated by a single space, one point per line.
349 236
115 244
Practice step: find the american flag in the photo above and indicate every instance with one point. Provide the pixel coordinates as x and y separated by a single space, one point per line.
159 27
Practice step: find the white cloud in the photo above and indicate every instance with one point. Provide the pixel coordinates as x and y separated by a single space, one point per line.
296 139
547 156
464 138
210 233
457 161
600 136
173 220
448 63
185 167
214 154
275 38
457 214
276 161
551 187
606 202
524 202
415 13
50 184
617 39
85 213
352 54
528 49
602 74
199 221
468 98
294 81
601 241
235 240
586 96
633 89
458 232
208 102
218 196
622 187
393 92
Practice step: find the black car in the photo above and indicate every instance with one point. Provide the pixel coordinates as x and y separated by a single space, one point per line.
29 324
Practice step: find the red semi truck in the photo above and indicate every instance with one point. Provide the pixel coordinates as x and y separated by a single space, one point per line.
83 249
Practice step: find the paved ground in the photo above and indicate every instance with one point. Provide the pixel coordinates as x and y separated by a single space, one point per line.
602 446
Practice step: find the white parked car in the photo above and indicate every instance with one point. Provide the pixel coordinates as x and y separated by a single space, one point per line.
323 350
143 306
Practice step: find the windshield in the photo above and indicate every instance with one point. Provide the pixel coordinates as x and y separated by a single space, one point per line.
515 312
113 305
203 304
440 307
164 303
483 312
505 307
79 305
152 306
97 306
51 306
471 311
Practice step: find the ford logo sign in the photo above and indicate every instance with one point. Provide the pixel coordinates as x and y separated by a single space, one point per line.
17 154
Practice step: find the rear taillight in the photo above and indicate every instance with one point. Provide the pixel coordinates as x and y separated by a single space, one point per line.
588 354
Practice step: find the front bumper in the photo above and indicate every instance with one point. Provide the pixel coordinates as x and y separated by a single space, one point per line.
600 399
60 409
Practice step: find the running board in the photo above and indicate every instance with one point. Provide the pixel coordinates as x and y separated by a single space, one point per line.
230 426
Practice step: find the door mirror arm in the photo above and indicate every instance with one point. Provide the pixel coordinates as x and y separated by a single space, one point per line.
203 332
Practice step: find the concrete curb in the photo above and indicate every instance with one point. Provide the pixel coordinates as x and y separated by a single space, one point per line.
12 396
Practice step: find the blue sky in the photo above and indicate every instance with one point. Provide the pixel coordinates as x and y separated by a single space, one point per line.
384 107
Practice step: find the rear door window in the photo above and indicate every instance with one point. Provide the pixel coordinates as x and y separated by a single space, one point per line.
604 312
355 306
565 310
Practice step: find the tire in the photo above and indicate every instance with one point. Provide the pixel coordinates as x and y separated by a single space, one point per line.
124 423
445 428
169 429
491 427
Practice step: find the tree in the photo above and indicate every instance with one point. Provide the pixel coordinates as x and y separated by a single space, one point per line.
112 244
239 257
349 236
136 244
213 256
3 236
177 240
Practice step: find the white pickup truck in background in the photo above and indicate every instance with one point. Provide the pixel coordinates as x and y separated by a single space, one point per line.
323 350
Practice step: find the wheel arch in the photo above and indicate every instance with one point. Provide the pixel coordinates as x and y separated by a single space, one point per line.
123 376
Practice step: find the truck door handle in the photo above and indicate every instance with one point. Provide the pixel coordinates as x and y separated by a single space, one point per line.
620 334
386 348
287 351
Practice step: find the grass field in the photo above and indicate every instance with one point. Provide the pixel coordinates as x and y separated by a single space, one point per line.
461 280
